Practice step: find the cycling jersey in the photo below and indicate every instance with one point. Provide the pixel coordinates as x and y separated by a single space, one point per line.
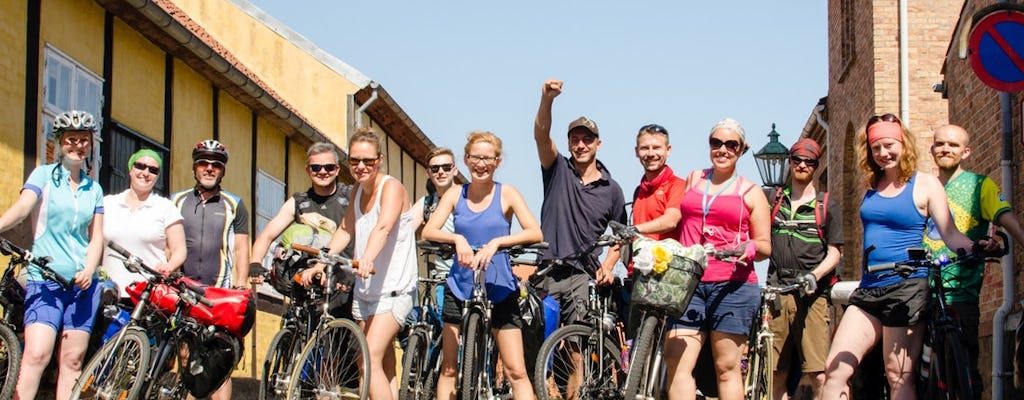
210 229
62 223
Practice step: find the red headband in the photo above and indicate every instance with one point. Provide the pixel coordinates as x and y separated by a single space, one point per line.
883 130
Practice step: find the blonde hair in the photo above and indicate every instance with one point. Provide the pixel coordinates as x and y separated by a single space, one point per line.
872 171
485 137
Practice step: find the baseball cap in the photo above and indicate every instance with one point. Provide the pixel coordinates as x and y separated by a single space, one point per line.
584 122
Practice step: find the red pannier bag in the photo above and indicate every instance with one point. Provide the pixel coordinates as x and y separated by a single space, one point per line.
233 310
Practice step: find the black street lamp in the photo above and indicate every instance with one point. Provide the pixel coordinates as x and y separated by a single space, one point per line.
773 161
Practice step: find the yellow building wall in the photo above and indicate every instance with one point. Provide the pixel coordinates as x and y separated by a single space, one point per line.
74 27
409 167
421 179
300 79
192 121
13 17
393 156
236 134
298 180
137 80
270 149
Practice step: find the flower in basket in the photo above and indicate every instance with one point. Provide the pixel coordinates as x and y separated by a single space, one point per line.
643 260
661 258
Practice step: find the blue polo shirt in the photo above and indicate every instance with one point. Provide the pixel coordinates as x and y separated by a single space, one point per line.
62 225
574 215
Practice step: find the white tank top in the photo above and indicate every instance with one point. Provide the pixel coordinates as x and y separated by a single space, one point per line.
395 265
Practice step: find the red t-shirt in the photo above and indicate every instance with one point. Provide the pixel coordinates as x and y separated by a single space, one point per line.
654 197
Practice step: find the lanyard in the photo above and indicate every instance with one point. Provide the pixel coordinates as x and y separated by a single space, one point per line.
705 204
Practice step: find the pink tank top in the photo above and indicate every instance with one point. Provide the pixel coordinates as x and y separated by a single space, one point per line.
726 226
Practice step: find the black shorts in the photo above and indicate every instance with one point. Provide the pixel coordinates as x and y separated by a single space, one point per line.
898 305
505 314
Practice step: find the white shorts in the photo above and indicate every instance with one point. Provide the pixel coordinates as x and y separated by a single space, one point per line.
399 305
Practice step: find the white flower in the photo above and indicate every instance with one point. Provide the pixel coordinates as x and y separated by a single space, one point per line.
643 261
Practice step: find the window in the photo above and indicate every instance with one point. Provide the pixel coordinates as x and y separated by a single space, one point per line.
68 86
122 142
270 196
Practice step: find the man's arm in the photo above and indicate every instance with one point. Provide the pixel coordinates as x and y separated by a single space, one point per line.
829 263
274 228
241 259
1008 221
664 223
546 149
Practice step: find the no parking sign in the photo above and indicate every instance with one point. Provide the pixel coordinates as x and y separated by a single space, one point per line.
997 47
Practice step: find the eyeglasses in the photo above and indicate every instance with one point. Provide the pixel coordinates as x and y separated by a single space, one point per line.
798 160
202 163
731 145
77 140
143 167
445 167
884 117
654 128
327 167
369 162
473 159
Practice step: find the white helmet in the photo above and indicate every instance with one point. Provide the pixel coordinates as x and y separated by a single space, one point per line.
73 120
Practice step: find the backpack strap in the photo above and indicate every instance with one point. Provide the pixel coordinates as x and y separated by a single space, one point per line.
299 197
821 215
776 203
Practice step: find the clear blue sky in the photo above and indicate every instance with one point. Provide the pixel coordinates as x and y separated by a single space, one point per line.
457 66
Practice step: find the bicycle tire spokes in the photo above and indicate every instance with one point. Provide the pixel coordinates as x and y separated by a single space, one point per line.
332 367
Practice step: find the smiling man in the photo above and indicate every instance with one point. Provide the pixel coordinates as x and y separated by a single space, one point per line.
656 200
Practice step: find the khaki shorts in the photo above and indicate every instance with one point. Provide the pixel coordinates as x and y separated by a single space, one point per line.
800 322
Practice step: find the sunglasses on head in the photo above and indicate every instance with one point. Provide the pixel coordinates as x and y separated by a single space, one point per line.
439 167
209 163
143 167
731 145
884 117
654 128
798 160
369 162
327 167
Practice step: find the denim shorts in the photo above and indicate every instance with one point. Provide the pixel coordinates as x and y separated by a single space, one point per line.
726 307
48 303
398 304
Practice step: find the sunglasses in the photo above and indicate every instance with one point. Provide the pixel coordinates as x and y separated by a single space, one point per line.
369 162
327 167
143 167
445 167
731 145
884 117
654 128
810 162
210 163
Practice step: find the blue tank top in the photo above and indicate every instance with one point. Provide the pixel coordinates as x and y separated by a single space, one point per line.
892 225
479 228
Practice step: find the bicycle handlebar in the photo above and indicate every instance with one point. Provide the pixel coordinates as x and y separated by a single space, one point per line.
328 258
919 257
8 248
190 293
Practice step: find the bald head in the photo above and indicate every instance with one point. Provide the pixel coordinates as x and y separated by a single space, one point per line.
954 132
950 147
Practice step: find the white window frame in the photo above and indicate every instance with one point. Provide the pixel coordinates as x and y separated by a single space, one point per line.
270 196
70 86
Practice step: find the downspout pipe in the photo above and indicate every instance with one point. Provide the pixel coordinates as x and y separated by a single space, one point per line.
373 97
1000 372
904 65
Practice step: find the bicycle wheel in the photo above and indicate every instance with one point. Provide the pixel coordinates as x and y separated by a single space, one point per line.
471 365
10 360
640 359
957 373
576 364
415 366
277 368
333 365
758 382
117 370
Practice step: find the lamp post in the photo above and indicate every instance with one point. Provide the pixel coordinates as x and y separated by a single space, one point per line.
773 161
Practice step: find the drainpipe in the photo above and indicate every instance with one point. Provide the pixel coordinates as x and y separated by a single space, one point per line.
1000 374
904 66
373 97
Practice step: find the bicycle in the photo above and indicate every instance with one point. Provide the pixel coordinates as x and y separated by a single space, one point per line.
759 378
421 358
11 296
335 361
140 359
949 376
301 316
583 360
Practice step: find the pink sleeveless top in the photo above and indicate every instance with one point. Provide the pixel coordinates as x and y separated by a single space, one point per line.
726 226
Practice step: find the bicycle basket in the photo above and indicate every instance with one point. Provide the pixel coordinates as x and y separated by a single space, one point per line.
211 358
232 309
672 276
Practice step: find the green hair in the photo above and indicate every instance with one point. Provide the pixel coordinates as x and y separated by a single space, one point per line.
145 153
